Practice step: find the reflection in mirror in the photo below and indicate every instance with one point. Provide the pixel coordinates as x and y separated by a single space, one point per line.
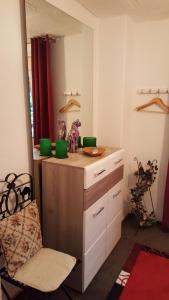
70 63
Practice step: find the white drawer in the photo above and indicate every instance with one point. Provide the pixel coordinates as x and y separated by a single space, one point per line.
114 202
94 222
93 260
100 169
118 159
113 233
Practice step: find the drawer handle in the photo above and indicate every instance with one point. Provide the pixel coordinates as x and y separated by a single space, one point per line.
115 195
99 173
98 212
118 161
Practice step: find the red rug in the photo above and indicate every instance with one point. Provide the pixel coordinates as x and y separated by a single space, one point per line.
145 276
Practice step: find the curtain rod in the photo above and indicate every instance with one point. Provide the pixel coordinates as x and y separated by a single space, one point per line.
51 37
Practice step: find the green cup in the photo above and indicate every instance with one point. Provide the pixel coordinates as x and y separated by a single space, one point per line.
61 148
89 141
45 147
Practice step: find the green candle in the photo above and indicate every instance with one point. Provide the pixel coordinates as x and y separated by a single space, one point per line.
61 148
45 147
89 141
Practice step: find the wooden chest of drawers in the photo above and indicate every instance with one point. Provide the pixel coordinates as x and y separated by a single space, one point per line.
82 209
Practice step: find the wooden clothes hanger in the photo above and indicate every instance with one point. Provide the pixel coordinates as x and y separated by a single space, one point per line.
157 101
72 102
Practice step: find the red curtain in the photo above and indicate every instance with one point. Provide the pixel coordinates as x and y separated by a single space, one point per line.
166 203
43 116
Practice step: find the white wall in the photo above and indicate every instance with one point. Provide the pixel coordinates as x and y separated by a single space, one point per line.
111 60
66 76
134 55
58 79
72 70
88 72
14 150
78 12
149 68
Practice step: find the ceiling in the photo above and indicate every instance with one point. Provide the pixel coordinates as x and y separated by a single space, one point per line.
43 18
141 9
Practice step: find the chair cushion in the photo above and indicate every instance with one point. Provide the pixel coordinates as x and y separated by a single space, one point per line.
46 270
20 236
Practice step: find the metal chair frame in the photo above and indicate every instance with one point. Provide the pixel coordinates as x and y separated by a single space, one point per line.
18 194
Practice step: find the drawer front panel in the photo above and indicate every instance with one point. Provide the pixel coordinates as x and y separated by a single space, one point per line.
96 191
114 203
94 222
113 233
93 260
96 172
102 168
118 160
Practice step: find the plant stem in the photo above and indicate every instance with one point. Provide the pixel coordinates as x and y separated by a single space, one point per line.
151 201
138 180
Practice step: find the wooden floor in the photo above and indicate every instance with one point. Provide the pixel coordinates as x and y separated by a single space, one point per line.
103 281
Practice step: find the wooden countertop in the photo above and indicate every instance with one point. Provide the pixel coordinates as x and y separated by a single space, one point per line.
79 159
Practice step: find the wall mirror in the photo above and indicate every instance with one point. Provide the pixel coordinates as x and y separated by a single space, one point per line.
71 62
